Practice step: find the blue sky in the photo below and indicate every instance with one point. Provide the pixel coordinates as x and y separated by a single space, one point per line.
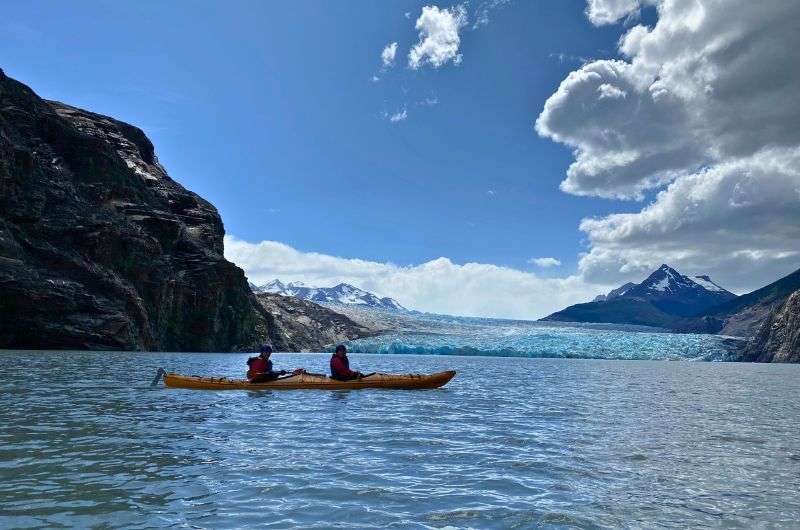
270 111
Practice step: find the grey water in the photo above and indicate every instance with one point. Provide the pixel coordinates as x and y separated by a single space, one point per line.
509 443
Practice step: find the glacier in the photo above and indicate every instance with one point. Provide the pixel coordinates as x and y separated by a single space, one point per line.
448 335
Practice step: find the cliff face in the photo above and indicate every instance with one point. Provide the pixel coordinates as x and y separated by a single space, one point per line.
300 325
744 315
100 248
778 339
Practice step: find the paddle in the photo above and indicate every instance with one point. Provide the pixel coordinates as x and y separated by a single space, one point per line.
315 375
159 374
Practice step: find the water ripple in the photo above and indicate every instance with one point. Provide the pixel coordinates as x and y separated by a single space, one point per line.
509 443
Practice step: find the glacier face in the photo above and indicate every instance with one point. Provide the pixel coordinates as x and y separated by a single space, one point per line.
448 335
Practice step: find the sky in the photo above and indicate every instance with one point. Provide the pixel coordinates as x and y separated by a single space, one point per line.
490 158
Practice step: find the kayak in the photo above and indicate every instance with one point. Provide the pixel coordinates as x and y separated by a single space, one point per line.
313 382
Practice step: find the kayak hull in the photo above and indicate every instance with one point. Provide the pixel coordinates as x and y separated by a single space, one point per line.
313 382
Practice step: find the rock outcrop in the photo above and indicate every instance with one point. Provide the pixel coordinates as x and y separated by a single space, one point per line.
744 316
100 248
300 325
778 339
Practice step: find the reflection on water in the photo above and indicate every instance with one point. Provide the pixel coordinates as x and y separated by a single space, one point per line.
509 442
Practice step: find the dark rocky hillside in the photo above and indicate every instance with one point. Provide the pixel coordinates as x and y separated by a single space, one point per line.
615 311
744 315
100 248
300 325
778 339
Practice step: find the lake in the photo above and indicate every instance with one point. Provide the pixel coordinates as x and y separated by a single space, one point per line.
510 443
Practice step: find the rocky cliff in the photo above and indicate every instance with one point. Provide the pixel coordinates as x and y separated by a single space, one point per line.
778 339
100 248
744 316
300 325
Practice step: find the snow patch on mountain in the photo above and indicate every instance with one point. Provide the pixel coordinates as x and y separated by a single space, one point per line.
706 283
667 283
340 294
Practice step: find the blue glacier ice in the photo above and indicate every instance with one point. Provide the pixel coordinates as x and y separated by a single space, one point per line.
448 335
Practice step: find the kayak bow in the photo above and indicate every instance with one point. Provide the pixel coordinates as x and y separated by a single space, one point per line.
313 382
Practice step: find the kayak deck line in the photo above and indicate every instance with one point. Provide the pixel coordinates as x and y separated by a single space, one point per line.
313 382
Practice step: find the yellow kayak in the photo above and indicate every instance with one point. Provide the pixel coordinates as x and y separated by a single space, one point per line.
312 382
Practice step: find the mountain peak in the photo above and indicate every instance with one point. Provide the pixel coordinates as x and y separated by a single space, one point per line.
663 298
342 293
678 294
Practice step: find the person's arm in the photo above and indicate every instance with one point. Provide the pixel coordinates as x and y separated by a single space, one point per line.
274 373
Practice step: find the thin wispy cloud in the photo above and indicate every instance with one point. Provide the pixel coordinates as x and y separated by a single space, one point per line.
398 116
485 9
544 262
429 101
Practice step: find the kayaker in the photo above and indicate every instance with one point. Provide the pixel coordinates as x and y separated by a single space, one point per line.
340 366
260 368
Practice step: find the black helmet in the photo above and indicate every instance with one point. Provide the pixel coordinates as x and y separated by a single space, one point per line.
340 348
266 348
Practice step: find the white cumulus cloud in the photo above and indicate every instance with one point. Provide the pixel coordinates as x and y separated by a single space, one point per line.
544 262
738 221
704 107
702 87
439 38
610 11
439 285
388 54
607 90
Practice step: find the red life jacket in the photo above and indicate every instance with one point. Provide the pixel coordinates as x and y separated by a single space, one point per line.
257 366
340 368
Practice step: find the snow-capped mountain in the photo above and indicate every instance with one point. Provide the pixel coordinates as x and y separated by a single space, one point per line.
677 294
663 298
340 294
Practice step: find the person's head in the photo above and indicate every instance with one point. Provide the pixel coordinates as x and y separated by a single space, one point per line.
341 350
266 351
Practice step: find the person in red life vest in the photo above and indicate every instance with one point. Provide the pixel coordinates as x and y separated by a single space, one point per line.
340 366
260 368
